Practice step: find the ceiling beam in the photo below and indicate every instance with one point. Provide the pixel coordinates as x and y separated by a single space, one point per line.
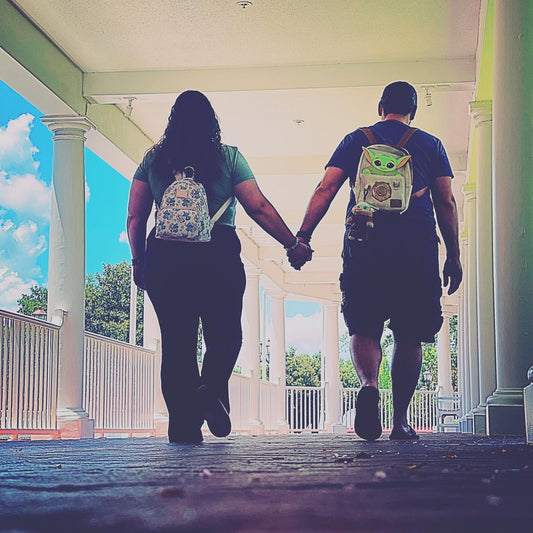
112 87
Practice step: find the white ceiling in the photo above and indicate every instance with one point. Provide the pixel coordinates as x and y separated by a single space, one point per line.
321 61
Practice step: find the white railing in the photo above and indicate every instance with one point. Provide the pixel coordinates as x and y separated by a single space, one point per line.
422 411
239 398
29 355
269 405
118 385
305 408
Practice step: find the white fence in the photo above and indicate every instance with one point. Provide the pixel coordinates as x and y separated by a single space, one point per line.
422 411
305 408
118 387
29 356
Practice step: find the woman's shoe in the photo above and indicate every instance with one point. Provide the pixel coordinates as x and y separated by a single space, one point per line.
184 436
215 413
367 423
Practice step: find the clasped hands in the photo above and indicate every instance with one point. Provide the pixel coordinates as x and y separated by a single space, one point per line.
300 255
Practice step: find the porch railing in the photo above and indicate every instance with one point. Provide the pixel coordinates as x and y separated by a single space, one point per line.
305 408
422 411
29 357
118 388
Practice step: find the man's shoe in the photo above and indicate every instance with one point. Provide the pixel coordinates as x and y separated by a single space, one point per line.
367 423
401 433
215 413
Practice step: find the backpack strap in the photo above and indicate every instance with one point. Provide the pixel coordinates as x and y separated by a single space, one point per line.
405 137
369 135
221 211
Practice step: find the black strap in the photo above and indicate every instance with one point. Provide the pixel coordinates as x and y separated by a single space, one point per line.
401 143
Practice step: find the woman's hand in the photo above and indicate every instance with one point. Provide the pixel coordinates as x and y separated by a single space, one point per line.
138 276
300 255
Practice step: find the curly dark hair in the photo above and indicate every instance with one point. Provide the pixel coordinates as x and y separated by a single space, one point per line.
191 138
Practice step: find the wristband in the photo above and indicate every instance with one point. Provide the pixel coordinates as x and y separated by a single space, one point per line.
293 246
305 235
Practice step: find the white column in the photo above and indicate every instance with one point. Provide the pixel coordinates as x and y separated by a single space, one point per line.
250 346
471 303
512 212
66 269
331 366
277 352
133 310
463 350
482 114
444 359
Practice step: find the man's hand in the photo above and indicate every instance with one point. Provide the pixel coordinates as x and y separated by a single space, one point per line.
452 273
300 255
138 276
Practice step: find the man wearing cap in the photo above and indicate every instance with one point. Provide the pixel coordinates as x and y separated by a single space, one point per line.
394 272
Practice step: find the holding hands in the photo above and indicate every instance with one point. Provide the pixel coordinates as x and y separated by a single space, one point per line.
300 253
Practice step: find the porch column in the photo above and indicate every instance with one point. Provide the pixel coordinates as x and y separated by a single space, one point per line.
482 114
512 213
277 352
444 359
250 345
331 366
471 303
66 268
463 370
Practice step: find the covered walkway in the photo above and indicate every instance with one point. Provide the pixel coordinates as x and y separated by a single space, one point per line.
268 483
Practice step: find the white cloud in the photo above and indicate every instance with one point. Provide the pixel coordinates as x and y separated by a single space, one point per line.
16 148
123 237
25 194
304 333
87 191
12 286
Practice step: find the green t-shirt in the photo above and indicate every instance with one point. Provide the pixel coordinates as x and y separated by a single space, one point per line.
233 170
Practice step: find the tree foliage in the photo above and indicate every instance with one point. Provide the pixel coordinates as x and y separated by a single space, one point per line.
37 299
107 302
302 370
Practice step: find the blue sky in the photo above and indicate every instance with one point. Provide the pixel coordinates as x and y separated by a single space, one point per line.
26 151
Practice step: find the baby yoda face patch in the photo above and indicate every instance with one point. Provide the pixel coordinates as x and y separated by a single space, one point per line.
381 162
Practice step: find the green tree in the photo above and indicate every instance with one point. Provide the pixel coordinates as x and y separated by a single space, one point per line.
107 302
349 379
37 299
302 370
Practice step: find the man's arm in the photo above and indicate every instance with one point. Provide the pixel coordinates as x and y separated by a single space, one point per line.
319 204
322 197
446 211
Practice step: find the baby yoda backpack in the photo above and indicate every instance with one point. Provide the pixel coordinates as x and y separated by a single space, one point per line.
183 214
384 178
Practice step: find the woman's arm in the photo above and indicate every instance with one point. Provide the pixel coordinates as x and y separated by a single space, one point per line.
139 208
263 212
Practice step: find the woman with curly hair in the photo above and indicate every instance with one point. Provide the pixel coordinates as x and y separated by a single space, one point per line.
189 281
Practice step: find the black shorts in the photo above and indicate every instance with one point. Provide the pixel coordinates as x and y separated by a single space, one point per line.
394 275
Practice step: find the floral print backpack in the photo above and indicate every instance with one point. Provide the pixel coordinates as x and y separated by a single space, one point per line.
183 214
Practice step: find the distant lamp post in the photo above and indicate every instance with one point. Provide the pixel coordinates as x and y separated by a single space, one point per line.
40 314
427 378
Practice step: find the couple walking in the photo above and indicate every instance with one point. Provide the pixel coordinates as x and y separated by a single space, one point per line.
390 260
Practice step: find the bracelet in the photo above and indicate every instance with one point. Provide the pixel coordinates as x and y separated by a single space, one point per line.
305 235
293 246
137 261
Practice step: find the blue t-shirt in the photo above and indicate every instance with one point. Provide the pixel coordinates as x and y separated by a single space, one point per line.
427 154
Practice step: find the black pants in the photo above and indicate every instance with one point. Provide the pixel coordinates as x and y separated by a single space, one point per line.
187 282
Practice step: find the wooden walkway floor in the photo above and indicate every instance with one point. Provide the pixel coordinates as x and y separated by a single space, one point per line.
449 483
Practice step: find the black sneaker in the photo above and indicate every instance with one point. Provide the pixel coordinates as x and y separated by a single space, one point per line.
367 423
215 413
